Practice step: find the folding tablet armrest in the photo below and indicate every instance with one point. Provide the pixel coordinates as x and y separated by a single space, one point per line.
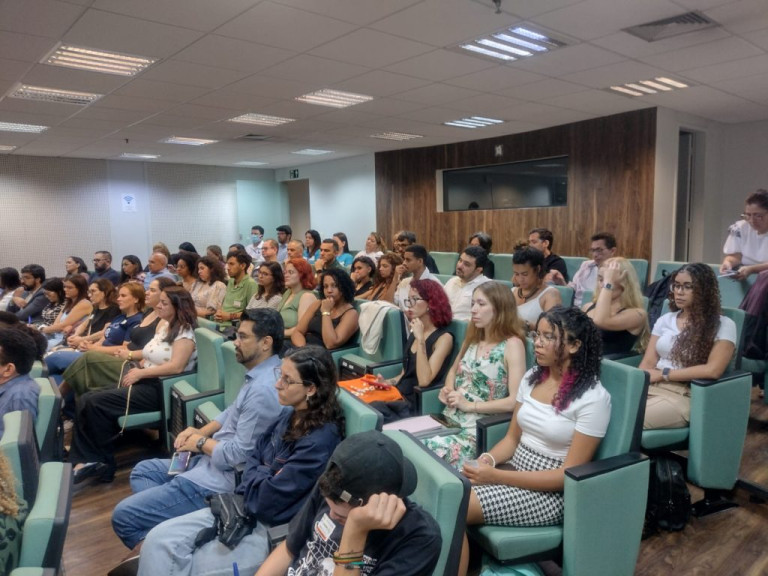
605 502
427 401
275 535
191 398
490 430
718 428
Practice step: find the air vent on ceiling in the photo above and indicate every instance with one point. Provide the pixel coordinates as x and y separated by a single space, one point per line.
255 137
669 27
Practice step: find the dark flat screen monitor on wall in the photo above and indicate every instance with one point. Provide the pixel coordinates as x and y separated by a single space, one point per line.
528 184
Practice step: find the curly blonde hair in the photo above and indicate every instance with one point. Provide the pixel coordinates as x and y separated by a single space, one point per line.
9 503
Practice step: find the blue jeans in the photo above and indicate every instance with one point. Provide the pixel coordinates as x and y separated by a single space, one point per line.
60 360
157 497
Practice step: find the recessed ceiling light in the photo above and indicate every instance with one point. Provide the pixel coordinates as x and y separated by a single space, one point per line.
25 92
643 87
262 120
130 156
97 60
396 136
474 122
312 152
512 43
250 163
188 141
673 83
334 98
31 128
5 148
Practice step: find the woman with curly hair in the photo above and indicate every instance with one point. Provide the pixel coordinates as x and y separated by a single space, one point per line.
213 285
486 373
387 278
692 341
279 474
562 413
617 308
300 284
332 320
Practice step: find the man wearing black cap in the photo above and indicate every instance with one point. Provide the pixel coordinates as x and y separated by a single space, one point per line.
358 519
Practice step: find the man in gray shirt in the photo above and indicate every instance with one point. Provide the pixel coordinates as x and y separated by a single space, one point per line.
222 445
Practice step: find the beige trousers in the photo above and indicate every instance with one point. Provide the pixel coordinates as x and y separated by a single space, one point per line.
668 405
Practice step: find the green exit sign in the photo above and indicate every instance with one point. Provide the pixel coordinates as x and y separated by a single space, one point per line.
294 173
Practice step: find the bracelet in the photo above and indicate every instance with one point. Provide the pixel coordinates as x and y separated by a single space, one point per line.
325 313
130 355
493 460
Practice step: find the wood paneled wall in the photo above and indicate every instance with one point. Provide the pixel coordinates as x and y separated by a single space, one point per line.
610 187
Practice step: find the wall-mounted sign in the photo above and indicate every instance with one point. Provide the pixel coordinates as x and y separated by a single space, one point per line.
129 202
294 173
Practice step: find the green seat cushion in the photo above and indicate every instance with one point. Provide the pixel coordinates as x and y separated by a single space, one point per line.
664 437
507 543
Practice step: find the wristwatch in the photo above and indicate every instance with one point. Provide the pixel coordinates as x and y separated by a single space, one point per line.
608 286
665 374
201 443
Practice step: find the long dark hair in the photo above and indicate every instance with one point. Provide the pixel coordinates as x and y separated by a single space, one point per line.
106 286
571 324
216 267
81 265
316 240
185 314
315 366
137 265
278 280
81 284
9 279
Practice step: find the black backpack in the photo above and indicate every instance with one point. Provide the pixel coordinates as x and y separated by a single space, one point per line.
669 502
657 293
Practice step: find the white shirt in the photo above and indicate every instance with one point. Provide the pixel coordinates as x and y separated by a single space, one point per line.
584 279
667 331
255 253
404 288
550 433
372 255
744 239
460 295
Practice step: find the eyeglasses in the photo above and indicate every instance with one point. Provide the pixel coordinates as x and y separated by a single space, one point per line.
687 287
754 215
96 260
284 380
545 338
411 302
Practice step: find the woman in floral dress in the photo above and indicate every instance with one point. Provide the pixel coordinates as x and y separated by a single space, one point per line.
484 378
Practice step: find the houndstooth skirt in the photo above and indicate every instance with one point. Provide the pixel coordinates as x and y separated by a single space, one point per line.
512 506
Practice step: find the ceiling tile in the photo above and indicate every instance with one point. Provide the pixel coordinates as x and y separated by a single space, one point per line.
38 17
371 48
712 53
711 103
441 65
24 47
318 71
726 70
196 14
132 103
381 83
226 98
495 79
66 79
437 94
231 53
53 109
360 12
754 88
544 114
619 73
531 8
434 114
161 90
635 47
285 27
741 16
13 70
568 60
538 91
390 106
596 102
758 38
272 87
484 104
202 112
191 74
125 116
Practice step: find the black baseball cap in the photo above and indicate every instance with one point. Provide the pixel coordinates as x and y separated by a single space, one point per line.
370 463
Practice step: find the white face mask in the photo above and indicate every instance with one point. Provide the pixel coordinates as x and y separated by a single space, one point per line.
255 238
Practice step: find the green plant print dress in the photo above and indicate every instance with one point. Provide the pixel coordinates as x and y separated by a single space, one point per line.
480 379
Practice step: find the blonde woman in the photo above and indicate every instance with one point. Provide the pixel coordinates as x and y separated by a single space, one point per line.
617 308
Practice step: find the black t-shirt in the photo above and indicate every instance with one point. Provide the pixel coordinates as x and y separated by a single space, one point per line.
412 548
554 262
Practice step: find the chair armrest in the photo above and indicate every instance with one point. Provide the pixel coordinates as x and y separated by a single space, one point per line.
426 399
191 398
490 430
276 534
628 360
388 370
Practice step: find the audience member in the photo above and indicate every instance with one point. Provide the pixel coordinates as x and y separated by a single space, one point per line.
213 287
746 248
312 242
186 270
254 248
9 320
299 295
363 273
406 238
369 524
269 248
485 375
171 351
329 250
387 278
332 320
54 293
9 283
344 257
602 248
131 270
280 473
76 308
271 285
542 240
486 243
692 341
28 305
532 295
561 414
17 390
284 233
414 262
221 446
240 288
76 265
470 273
214 251
295 249
162 249
188 247
102 268
158 268
374 247
102 295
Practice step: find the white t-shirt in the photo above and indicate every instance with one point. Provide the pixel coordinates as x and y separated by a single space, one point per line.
667 331
550 433
742 238
158 352
404 288
460 295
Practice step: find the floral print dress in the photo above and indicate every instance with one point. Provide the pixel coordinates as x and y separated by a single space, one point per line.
480 379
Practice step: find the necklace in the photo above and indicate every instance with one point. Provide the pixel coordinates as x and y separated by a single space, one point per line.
524 297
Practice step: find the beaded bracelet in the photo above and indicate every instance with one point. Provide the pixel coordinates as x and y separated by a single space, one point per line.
493 460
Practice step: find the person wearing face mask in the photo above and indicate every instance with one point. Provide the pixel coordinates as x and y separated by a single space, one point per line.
254 248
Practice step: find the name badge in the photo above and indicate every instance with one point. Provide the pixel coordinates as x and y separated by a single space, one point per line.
324 527
237 303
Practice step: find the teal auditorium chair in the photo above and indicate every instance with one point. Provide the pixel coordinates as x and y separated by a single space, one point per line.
234 378
426 398
572 264
566 295
641 267
503 266
39 369
34 572
443 493
48 424
19 446
443 278
446 261
390 350
604 499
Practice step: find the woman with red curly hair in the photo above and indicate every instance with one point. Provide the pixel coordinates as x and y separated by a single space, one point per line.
428 350
299 296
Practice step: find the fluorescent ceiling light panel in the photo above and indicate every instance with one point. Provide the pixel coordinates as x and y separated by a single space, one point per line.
626 91
42 94
4 148
261 120
474 122
130 156
312 152
334 98
656 85
504 47
486 52
250 163
518 41
673 83
95 60
187 141
643 87
29 128
400 136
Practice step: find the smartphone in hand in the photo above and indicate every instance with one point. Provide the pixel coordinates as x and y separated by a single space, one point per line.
179 462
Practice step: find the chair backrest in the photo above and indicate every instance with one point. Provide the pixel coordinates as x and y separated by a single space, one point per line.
210 366
443 493
445 261
628 388
48 419
392 338
443 277
234 373
738 316
42 540
566 295
503 264
358 416
732 292
665 268
20 447
641 267
572 264
458 328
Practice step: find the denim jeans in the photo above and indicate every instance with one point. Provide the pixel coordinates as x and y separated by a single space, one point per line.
60 360
157 497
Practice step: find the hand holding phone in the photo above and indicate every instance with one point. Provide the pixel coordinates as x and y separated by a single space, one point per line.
377 381
179 463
